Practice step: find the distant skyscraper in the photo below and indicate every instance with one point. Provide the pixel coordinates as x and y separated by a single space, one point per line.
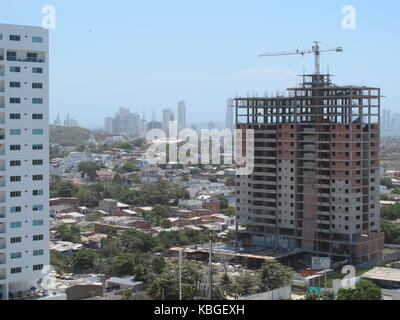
57 121
24 158
388 121
181 115
168 116
69 122
396 124
384 120
229 115
124 123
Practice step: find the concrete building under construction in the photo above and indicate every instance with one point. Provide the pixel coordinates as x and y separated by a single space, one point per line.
316 181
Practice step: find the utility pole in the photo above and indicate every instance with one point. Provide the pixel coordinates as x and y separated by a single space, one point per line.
180 273
210 267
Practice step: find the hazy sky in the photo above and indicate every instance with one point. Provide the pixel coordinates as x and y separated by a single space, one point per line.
148 55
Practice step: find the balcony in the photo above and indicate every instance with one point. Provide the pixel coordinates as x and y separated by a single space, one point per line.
1 70
2 259
2 163
2 243
2 150
2 86
2 102
25 56
2 182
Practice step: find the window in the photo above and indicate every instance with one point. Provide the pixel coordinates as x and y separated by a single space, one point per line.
32 56
37 116
15 163
15 147
15 116
37 147
15 132
37 100
38 253
37 267
37 223
11 56
16 240
38 207
37 193
38 237
37 162
37 39
37 85
38 177
16 255
15 209
37 132
15 194
14 84
16 270
15 100
15 69
37 70
14 37
15 179
15 225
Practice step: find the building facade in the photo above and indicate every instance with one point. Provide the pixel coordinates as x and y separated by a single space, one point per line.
24 158
315 186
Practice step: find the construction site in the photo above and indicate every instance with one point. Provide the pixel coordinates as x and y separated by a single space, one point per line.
315 188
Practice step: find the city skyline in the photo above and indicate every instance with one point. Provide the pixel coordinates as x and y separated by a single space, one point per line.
173 60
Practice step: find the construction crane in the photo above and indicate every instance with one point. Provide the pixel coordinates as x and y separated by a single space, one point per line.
315 50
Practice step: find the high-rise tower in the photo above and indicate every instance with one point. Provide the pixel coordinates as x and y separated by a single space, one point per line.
24 157
315 186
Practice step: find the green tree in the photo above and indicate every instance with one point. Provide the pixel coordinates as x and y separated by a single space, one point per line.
166 285
365 290
225 284
224 202
94 216
84 261
387 182
123 264
129 167
158 264
59 261
89 169
66 189
165 223
391 212
68 233
273 275
243 284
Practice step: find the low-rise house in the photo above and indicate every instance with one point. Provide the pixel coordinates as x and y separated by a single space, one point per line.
94 241
110 204
58 210
78 217
64 247
105 175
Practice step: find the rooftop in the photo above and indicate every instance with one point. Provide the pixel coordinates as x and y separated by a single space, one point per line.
387 274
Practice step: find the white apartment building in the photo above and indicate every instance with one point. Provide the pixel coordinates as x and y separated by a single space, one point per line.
24 158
